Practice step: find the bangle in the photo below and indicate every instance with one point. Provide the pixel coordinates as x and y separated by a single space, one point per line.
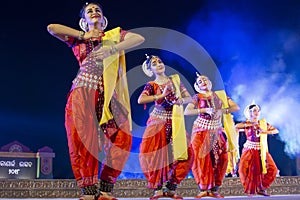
81 35
113 50
227 111
155 97
180 101
199 111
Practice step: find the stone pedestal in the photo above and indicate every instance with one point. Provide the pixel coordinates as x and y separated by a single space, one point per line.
18 162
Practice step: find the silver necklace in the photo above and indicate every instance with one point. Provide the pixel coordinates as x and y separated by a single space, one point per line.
212 103
170 98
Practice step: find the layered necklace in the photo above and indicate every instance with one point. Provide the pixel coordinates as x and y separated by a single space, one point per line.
171 98
163 80
211 103
95 44
255 126
92 47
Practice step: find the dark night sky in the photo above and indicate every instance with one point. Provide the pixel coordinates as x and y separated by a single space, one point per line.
255 44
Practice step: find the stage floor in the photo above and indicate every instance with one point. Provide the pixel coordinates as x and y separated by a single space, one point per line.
66 189
277 197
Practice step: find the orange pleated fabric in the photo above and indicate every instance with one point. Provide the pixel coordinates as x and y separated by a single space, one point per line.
209 168
250 171
81 125
156 157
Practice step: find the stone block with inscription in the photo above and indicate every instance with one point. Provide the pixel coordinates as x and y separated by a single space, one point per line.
18 162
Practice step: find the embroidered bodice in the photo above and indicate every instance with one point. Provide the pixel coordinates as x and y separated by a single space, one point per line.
90 72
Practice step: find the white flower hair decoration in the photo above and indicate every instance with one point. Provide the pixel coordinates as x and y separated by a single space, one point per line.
196 86
247 109
146 66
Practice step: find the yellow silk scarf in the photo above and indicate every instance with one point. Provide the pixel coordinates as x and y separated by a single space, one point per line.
231 133
114 77
263 145
178 127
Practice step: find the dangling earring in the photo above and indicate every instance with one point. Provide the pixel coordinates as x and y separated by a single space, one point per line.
83 25
105 23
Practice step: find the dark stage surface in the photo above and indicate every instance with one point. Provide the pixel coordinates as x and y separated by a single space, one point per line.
277 197
253 46
283 187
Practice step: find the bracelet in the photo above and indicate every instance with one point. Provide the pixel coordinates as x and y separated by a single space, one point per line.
227 111
81 35
199 111
172 102
155 97
113 50
180 101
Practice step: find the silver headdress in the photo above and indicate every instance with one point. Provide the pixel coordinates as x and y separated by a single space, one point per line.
196 86
247 109
146 66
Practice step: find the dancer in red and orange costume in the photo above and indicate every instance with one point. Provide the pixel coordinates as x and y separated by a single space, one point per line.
98 108
208 137
165 153
257 169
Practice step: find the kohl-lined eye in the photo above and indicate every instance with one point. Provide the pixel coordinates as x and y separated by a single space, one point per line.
200 81
154 64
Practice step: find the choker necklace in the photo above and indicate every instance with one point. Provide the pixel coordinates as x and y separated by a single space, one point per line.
92 47
163 81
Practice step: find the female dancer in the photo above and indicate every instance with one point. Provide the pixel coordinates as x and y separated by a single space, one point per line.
97 110
208 137
257 170
165 155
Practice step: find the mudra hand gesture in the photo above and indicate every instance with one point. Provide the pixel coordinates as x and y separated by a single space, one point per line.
102 53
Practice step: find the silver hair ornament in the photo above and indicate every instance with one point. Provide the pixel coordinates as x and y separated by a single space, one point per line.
196 86
145 68
247 110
